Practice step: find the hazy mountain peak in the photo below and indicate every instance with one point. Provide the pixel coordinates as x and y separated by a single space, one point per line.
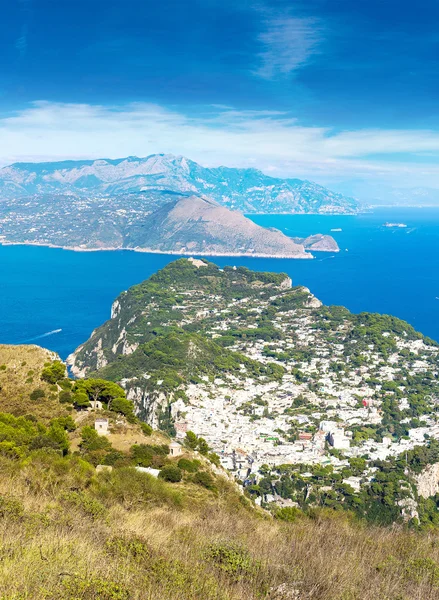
248 190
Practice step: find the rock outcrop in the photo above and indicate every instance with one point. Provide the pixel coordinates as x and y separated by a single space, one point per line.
320 243
427 481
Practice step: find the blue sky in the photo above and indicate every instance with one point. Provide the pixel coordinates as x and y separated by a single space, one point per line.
341 92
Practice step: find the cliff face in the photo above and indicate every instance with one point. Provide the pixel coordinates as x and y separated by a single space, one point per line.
427 481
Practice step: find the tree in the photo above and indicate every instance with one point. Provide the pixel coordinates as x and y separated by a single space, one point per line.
66 423
54 372
80 399
100 390
146 429
203 446
66 397
171 473
191 440
91 440
124 407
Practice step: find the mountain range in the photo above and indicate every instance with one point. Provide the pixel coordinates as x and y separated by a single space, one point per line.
246 190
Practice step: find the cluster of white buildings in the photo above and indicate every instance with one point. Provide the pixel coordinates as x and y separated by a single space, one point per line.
250 422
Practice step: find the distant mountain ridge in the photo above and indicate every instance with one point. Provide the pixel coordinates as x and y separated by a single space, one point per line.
246 190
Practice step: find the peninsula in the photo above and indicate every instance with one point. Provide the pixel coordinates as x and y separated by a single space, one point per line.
183 225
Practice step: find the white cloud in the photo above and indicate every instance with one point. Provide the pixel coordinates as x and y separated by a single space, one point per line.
269 140
288 44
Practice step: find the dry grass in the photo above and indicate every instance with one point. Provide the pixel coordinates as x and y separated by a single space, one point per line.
211 549
22 374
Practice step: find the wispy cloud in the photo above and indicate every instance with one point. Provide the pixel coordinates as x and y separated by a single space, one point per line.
270 140
21 42
288 43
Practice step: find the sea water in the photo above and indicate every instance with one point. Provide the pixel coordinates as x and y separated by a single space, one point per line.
55 297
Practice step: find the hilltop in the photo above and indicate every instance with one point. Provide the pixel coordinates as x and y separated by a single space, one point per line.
246 190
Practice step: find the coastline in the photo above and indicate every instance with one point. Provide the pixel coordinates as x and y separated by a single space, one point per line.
307 256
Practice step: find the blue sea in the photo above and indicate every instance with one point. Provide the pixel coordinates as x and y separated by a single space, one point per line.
57 297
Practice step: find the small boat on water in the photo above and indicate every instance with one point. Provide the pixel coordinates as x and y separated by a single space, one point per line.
397 225
337 229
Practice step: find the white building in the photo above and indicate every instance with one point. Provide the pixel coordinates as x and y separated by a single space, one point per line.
339 441
101 426
175 449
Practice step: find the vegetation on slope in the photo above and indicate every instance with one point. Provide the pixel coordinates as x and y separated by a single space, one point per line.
153 307
22 388
71 532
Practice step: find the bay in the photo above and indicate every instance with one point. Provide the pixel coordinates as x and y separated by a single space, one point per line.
55 297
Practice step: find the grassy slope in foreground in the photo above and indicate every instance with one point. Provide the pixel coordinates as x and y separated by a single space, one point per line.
69 533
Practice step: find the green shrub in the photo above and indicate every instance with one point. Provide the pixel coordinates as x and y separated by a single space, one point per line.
11 508
37 394
171 473
204 479
85 503
231 558
423 569
288 513
128 548
146 429
145 455
132 488
90 588
188 465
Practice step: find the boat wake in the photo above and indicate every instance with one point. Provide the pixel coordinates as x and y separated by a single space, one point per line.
40 337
